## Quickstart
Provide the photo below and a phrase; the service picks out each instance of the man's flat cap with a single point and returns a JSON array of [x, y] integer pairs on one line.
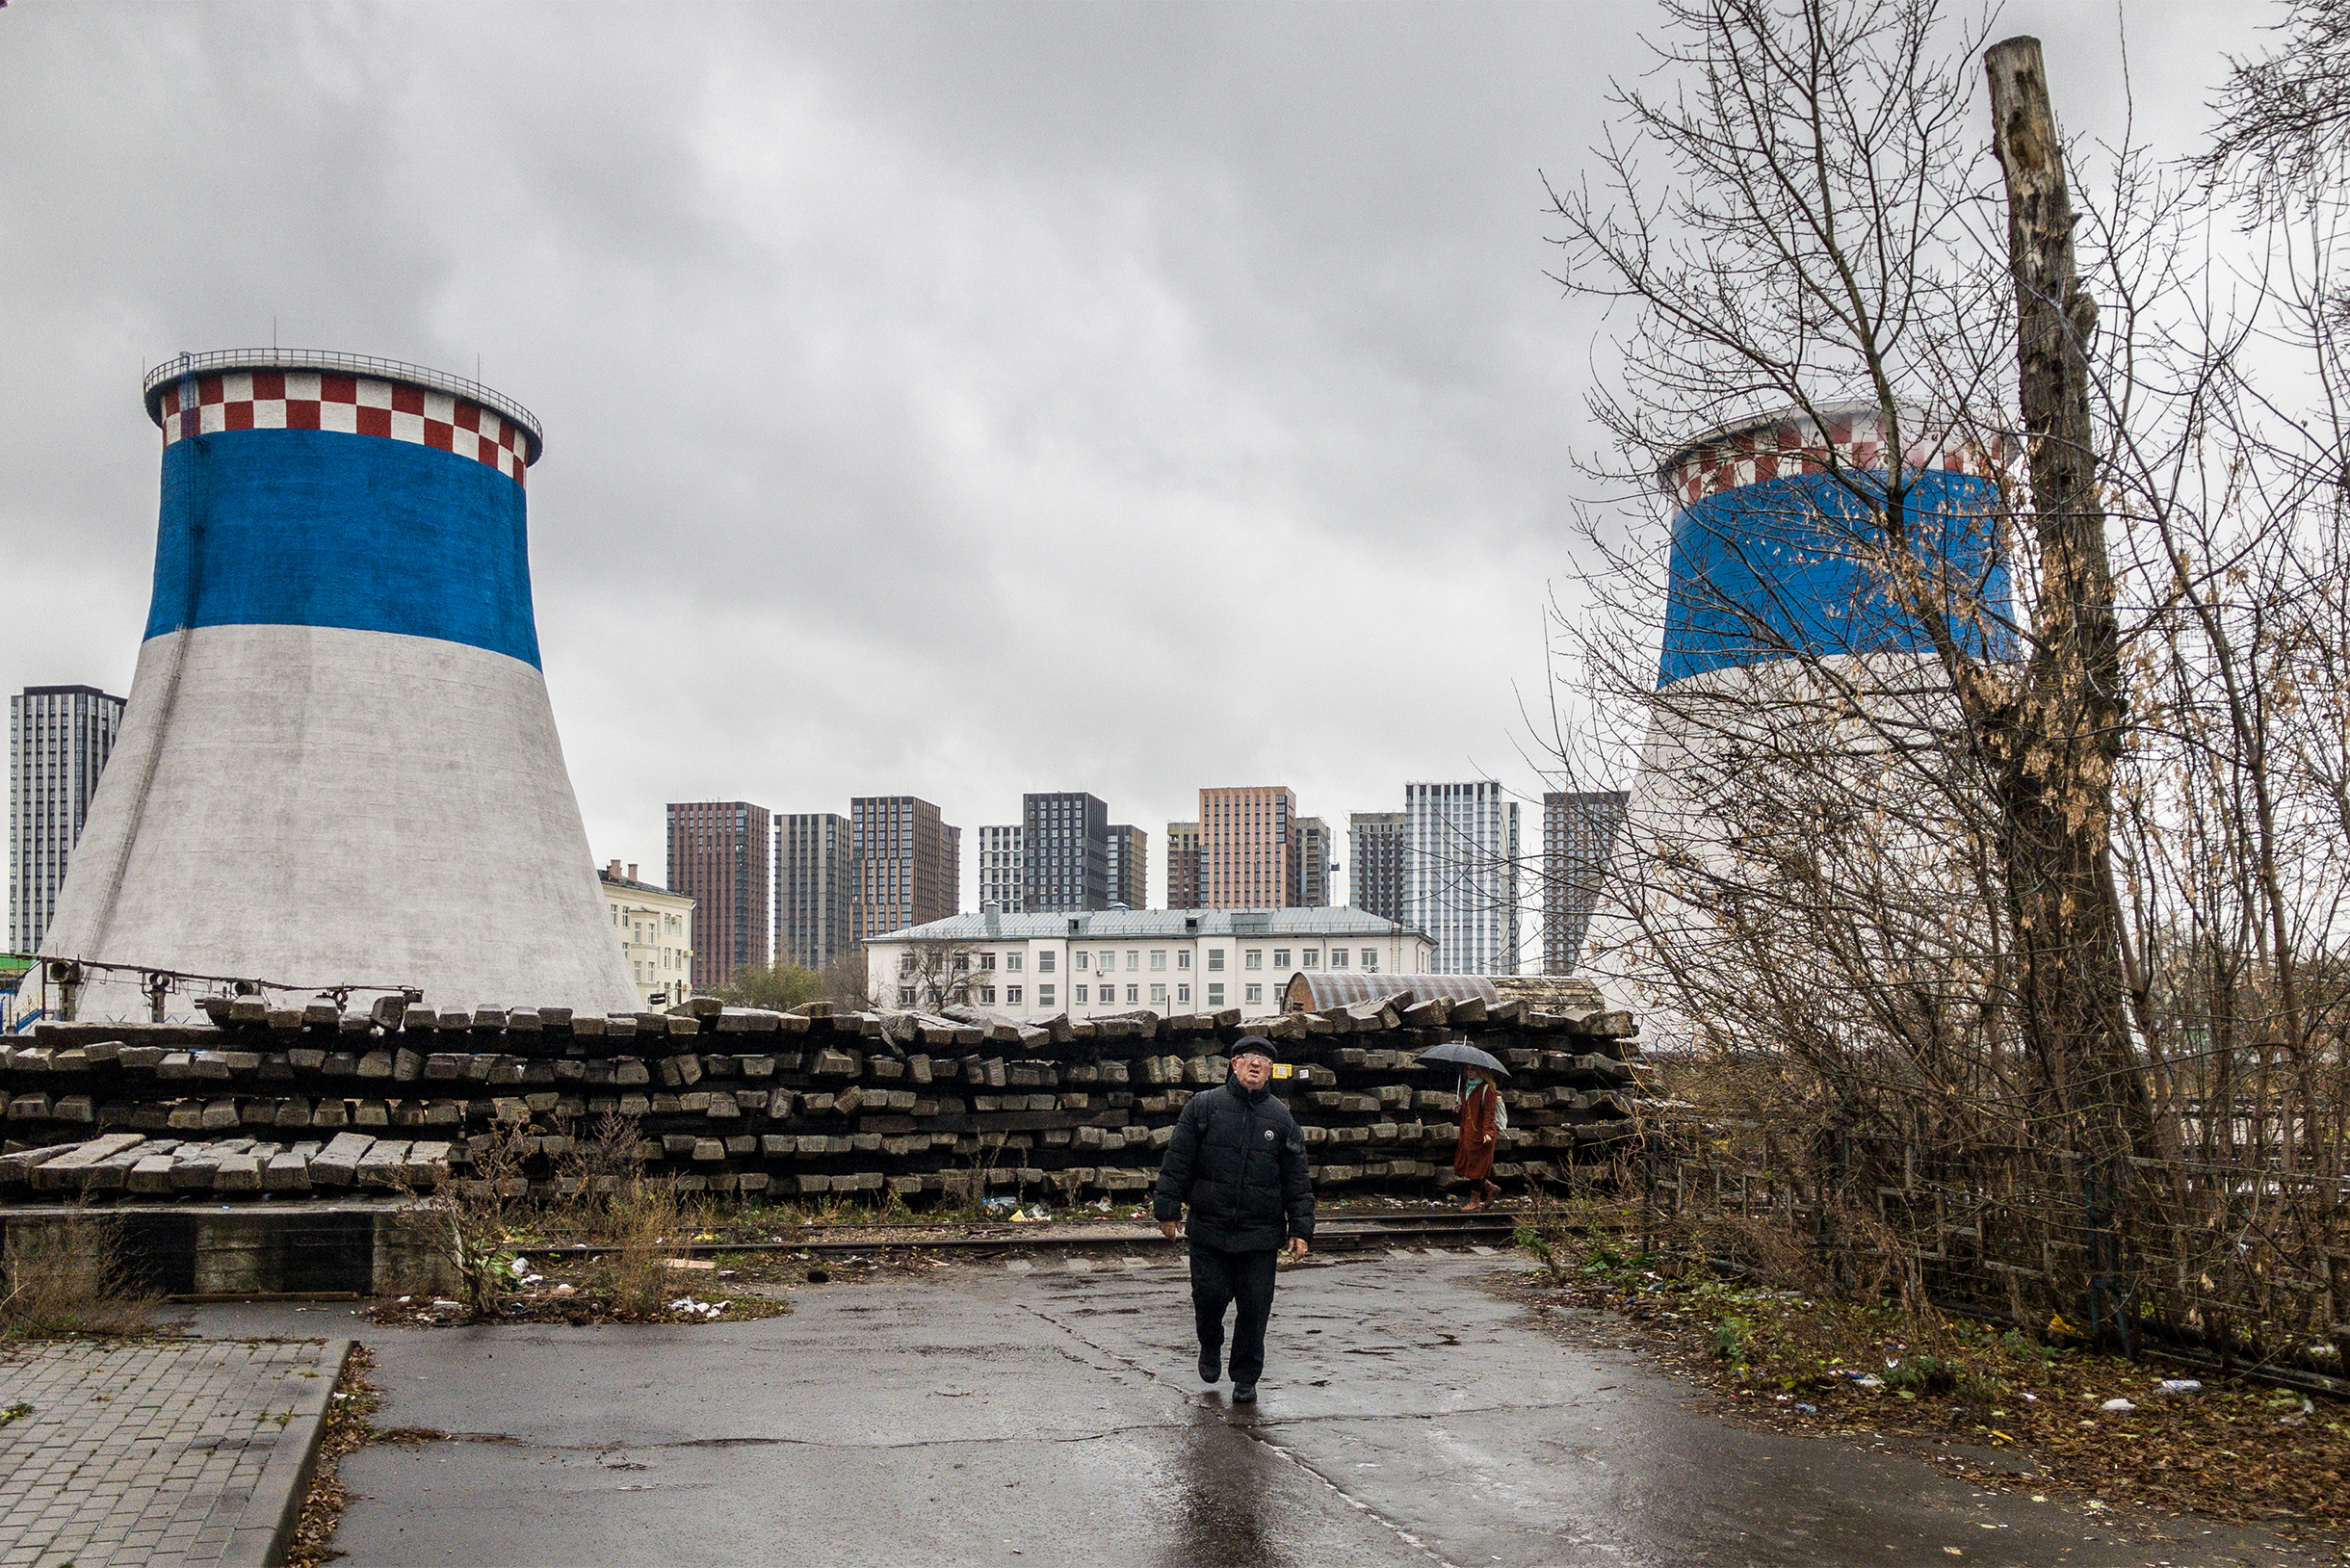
[[1256, 1045]]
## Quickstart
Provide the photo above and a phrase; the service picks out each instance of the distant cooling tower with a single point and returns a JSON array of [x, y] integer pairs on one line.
[[338, 766]]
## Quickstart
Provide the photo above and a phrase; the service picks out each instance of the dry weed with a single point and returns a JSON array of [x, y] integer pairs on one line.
[[68, 1276]]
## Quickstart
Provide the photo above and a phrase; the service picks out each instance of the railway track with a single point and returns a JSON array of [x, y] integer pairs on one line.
[[1491, 1228]]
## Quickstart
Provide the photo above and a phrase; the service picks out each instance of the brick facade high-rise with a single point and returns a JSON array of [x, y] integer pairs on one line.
[[1578, 833], [1375, 853], [59, 740], [722, 856], [1184, 875], [909, 863], [1130, 866], [816, 878], [1064, 852], [1245, 846]]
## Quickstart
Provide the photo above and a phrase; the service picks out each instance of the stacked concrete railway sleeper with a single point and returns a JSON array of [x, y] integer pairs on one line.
[[314, 1101]]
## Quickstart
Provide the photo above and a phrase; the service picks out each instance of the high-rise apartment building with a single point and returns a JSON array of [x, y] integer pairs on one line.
[[720, 856], [1184, 879], [816, 880], [1065, 852], [909, 863], [59, 740], [1374, 850], [1130, 866], [1245, 846], [1000, 855], [1460, 874], [1309, 863], [1578, 833]]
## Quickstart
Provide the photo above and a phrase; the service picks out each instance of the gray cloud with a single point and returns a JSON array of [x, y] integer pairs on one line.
[[956, 399]]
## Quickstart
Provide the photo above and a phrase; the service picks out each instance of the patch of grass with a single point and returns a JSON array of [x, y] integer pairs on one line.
[[67, 1277]]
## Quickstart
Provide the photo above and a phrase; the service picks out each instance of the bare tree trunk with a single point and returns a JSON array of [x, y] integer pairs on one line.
[[2056, 741]]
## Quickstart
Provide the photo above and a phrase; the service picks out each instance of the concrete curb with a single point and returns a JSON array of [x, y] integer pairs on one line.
[[265, 1530]]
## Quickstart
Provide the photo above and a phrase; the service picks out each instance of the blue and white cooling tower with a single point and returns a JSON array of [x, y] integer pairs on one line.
[[1780, 631], [338, 766]]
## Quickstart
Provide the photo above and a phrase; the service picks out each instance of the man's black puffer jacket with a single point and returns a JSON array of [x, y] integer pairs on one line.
[[1237, 1160]]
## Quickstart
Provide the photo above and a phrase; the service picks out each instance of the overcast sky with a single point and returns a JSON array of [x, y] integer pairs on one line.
[[951, 400]]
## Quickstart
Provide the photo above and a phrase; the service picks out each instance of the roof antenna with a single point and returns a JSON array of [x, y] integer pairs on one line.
[[272, 334]]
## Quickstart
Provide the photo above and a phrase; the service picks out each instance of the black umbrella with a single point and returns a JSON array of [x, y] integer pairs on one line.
[[1453, 1053]]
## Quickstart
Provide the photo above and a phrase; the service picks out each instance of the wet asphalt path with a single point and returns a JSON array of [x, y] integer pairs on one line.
[[991, 1416]]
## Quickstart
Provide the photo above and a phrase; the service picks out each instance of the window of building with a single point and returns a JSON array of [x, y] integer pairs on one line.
[[1253, 993], [1253, 958], [1281, 957], [1132, 995], [1013, 960], [1081, 959], [1182, 993], [987, 996], [1216, 995], [1371, 958], [987, 961], [962, 963], [1158, 957], [1044, 996], [1011, 996], [1044, 962], [1338, 958], [1108, 962], [1159, 996], [1134, 960], [1081, 996], [1183, 958], [1310, 958], [905, 963], [905, 996], [1215, 959]]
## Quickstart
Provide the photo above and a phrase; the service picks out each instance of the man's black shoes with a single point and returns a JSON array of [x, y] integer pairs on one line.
[[1245, 1394], [1210, 1366]]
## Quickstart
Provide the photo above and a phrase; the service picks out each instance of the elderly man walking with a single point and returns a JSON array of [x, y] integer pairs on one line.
[[1237, 1160]]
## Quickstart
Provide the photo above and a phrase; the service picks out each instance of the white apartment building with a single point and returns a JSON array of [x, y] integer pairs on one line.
[[655, 927], [1118, 960], [1460, 874], [1000, 850]]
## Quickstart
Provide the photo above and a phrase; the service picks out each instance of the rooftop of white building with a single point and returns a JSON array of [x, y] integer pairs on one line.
[[1143, 924]]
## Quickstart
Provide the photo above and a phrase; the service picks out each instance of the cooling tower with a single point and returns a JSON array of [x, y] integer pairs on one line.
[[338, 767], [1781, 633]]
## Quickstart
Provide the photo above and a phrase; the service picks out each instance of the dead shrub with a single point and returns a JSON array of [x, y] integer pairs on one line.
[[644, 1227], [594, 1175], [68, 1276]]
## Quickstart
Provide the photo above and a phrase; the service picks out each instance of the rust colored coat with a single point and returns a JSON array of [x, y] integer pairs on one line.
[[1473, 1159]]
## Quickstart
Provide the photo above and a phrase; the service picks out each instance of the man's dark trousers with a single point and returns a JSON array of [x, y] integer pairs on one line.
[[1220, 1278]]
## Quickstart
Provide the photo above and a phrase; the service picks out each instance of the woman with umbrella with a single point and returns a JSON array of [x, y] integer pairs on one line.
[[1483, 1116]]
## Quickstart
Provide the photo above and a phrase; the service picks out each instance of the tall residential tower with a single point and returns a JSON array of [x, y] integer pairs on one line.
[[816, 880], [1460, 874], [59, 740], [1375, 848], [1578, 831], [719, 856], [1245, 846], [909, 863]]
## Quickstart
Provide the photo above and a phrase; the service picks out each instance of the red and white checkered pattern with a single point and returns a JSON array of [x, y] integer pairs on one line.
[[1788, 447], [312, 400]]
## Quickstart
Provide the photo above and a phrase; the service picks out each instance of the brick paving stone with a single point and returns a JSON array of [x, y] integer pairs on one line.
[[141, 1454]]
